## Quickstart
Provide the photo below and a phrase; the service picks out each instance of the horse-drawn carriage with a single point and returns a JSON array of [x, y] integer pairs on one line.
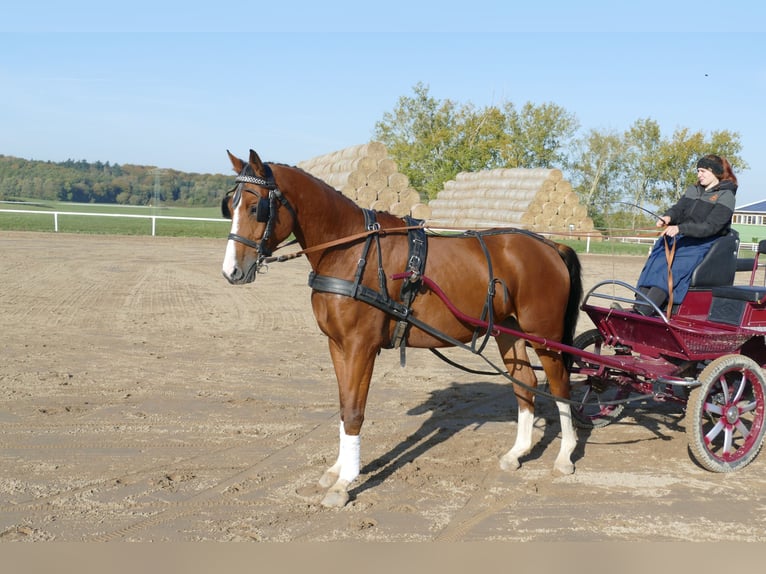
[[380, 281]]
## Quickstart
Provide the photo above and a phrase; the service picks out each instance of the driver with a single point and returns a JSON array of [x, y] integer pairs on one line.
[[701, 216]]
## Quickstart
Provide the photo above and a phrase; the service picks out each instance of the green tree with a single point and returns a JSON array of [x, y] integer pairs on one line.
[[538, 135], [597, 175], [432, 141]]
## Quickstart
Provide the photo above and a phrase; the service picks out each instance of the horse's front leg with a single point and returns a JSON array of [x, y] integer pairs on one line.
[[353, 369]]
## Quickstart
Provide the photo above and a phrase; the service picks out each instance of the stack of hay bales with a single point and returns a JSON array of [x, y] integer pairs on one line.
[[368, 176], [535, 199]]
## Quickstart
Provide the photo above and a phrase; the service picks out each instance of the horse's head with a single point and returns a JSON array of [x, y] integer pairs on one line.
[[260, 217]]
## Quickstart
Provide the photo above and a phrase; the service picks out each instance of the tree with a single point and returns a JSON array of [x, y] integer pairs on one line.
[[432, 141], [538, 136], [597, 174]]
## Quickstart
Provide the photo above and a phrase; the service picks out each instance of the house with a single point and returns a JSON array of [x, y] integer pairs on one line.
[[750, 221]]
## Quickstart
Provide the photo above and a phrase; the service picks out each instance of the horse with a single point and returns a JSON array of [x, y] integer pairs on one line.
[[510, 278]]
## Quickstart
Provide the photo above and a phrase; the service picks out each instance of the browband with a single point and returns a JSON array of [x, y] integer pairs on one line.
[[267, 183]]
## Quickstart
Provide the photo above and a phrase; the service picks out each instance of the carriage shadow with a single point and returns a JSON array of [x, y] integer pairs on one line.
[[454, 409]]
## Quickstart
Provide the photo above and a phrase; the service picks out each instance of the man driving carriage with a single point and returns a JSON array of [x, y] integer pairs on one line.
[[691, 226]]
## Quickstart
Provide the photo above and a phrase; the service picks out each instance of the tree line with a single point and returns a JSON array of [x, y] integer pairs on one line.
[[100, 182]]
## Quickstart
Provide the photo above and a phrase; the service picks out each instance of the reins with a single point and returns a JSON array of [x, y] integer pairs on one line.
[[670, 253], [340, 241]]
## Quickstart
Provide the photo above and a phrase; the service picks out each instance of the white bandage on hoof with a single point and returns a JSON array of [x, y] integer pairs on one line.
[[349, 455]]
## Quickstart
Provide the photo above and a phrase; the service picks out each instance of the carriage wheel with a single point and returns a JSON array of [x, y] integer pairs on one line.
[[726, 414], [590, 391]]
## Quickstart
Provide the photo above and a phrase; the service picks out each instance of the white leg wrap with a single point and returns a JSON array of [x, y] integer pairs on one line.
[[523, 442], [349, 455], [568, 439]]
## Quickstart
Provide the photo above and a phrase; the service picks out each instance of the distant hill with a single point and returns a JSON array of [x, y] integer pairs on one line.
[[99, 182]]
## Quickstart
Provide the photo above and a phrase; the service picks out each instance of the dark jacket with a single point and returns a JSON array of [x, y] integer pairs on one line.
[[704, 213]]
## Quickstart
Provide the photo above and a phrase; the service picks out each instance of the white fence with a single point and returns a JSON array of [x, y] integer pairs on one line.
[[153, 218], [744, 248]]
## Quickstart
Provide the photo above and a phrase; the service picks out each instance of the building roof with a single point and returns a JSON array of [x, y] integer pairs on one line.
[[755, 207]]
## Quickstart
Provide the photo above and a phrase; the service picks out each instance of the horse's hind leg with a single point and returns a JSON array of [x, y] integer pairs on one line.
[[516, 360], [515, 357], [558, 380]]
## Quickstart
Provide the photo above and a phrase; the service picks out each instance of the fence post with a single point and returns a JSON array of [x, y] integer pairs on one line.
[[154, 224], [56, 221]]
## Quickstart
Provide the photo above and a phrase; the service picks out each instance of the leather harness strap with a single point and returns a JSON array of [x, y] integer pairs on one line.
[[670, 253]]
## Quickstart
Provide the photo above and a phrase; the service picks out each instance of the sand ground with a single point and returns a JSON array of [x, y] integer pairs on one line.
[[142, 398]]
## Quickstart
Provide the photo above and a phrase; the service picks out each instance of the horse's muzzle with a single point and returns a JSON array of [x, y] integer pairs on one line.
[[238, 276]]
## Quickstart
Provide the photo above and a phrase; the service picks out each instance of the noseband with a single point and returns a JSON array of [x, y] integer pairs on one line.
[[265, 211]]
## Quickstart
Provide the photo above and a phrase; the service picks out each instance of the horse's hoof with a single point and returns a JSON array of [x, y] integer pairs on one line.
[[328, 479], [509, 463], [565, 468], [335, 499]]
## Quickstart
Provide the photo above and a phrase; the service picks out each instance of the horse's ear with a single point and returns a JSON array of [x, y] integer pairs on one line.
[[256, 164], [236, 163]]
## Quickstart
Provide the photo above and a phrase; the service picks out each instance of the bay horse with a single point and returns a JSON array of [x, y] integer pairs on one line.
[[512, 278]]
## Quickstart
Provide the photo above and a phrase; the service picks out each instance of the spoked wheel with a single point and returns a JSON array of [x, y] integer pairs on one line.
[[590, 391], [726, 414]]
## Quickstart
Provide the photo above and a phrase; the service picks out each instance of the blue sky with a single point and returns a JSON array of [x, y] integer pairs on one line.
[[174, 85]]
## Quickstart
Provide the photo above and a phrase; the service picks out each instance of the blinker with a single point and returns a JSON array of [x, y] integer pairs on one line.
[[263, 210]]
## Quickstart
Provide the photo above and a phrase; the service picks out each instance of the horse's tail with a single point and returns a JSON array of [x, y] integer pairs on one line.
[[575, 296]]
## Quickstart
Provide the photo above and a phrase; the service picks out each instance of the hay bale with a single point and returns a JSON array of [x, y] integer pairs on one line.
[[366, 196], [363, 173], [420, 211], [534, 198], [398, 181]]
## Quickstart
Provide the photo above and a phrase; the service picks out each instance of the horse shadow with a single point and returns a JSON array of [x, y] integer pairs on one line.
[[472, 404], [453, 409]]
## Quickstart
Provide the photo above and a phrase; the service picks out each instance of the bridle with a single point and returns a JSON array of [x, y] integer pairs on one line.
[[265, 210]]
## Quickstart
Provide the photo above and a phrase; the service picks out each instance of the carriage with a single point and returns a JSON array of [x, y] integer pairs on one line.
[[381, 282], [707, 354]]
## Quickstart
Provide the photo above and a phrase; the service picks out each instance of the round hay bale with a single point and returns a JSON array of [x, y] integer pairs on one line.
[[377, 180], [563, 187], [409, 196], [420, 211], [357, 179], [366, 196], [550, 210], [398, 181], [388, 196], [580, 211], [386, 166], [570, 198], [380, 205], [399, 209]]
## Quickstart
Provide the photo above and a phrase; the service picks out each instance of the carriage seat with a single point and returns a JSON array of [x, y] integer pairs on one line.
[[719, 266]]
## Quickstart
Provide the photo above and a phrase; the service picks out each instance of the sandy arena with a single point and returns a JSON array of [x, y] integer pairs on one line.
[[142, 398]]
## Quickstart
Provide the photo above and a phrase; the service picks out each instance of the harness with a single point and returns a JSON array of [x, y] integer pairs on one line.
[[416, 262]]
